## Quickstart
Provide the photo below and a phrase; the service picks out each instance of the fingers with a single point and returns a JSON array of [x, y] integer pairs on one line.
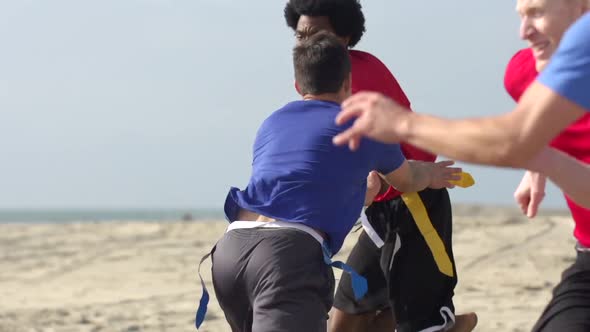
[[522, 199], [532, 210], [354, 143], [445, 163], [449, 185], [524, 205], [522, 194], [358, 97], [350, 136], [536, 192], [455, 177], [373, 187], [354, 110], [533, 206], [452, 173], [454, 170], [348, 113], [354, 107], [444, 176]]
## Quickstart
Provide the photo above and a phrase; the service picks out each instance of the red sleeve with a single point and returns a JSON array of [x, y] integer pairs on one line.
[[389, 86], [520, 73], [413, 153]]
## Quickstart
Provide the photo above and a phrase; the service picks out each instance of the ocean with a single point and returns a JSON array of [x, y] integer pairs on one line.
[[99, 215]]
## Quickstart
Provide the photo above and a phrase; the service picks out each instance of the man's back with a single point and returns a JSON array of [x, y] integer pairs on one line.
[[298, 175]]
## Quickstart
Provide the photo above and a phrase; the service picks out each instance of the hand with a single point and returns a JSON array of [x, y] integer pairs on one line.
[[376, 117], [441, 174], [373, 187], [530, 193]]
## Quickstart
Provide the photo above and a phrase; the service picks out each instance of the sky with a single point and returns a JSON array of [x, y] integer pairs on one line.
[[155, 103]]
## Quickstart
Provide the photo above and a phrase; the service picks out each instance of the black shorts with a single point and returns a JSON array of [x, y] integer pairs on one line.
[[403, 273], [365, 259], [569, 308], [272, 279]]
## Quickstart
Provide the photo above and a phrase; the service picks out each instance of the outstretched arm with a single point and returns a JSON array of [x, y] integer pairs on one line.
[[414, 176], [510, 140], [557, 98]]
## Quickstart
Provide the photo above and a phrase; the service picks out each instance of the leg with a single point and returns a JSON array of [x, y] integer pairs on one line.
[[354, 315], [290, 285], [383, 321], [464, 323], [230, 287], [421, 290], [569, 308], [341, 321]]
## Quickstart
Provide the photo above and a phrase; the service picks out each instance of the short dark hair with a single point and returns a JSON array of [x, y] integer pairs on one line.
[[321, 64], [346, 16]]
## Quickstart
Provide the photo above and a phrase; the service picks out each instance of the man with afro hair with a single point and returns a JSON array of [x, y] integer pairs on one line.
[[391, 231]]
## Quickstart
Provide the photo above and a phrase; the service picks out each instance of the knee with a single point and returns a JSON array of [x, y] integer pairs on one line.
[[341, 321]]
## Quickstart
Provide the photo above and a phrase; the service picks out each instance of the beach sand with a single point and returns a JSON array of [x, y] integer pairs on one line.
[[122, 276]]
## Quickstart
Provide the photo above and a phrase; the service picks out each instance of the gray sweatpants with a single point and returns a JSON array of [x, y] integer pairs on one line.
[[272, 280]]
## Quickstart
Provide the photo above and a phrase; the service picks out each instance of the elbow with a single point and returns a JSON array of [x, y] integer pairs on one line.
[[514, 153], [509, 156]]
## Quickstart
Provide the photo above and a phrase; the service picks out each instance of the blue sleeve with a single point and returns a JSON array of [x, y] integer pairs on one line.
[[388, 157], [568, 72]]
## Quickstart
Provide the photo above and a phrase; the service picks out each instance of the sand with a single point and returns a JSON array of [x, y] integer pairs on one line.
[[123, 276]]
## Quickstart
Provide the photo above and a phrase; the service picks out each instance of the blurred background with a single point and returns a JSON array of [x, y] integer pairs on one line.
[[148, 108]]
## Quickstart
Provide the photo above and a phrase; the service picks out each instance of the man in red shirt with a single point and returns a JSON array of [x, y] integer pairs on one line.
[[420, 292], [575, 141]]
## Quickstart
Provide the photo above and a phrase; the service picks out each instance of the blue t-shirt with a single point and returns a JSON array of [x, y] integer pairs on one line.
[[568, 72], [299, 175]]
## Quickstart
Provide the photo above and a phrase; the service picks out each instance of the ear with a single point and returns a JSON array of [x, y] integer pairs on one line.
[[297, 88], [348, 84], [346, 41]]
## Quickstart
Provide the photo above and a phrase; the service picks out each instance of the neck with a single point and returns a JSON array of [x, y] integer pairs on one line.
[[333, 97]]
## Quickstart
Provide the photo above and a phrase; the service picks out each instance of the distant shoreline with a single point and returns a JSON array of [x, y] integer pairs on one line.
[[80, 215]]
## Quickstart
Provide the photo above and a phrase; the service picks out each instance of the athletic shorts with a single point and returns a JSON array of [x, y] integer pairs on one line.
[[403, 274], [272, 279], [569, 308]]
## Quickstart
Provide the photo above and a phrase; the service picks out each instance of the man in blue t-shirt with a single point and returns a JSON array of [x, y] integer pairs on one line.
[[270, 270], [559, 96]]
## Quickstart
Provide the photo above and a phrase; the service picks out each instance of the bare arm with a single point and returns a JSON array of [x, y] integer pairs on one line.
[[569, 174], [413, 176], [511, 139]]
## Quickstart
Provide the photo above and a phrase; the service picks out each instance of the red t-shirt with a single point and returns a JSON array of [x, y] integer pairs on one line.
[[370, 74], [574, 140]]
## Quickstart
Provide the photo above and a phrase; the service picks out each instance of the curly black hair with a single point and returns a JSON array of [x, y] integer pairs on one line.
[[346, 16]]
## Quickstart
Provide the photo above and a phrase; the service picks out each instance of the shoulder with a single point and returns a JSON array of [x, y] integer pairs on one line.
[[520, 73], [580, 30], [575, 44], [366, 58], [370, 74], [281, 112], [522, 58], [568, 72]]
